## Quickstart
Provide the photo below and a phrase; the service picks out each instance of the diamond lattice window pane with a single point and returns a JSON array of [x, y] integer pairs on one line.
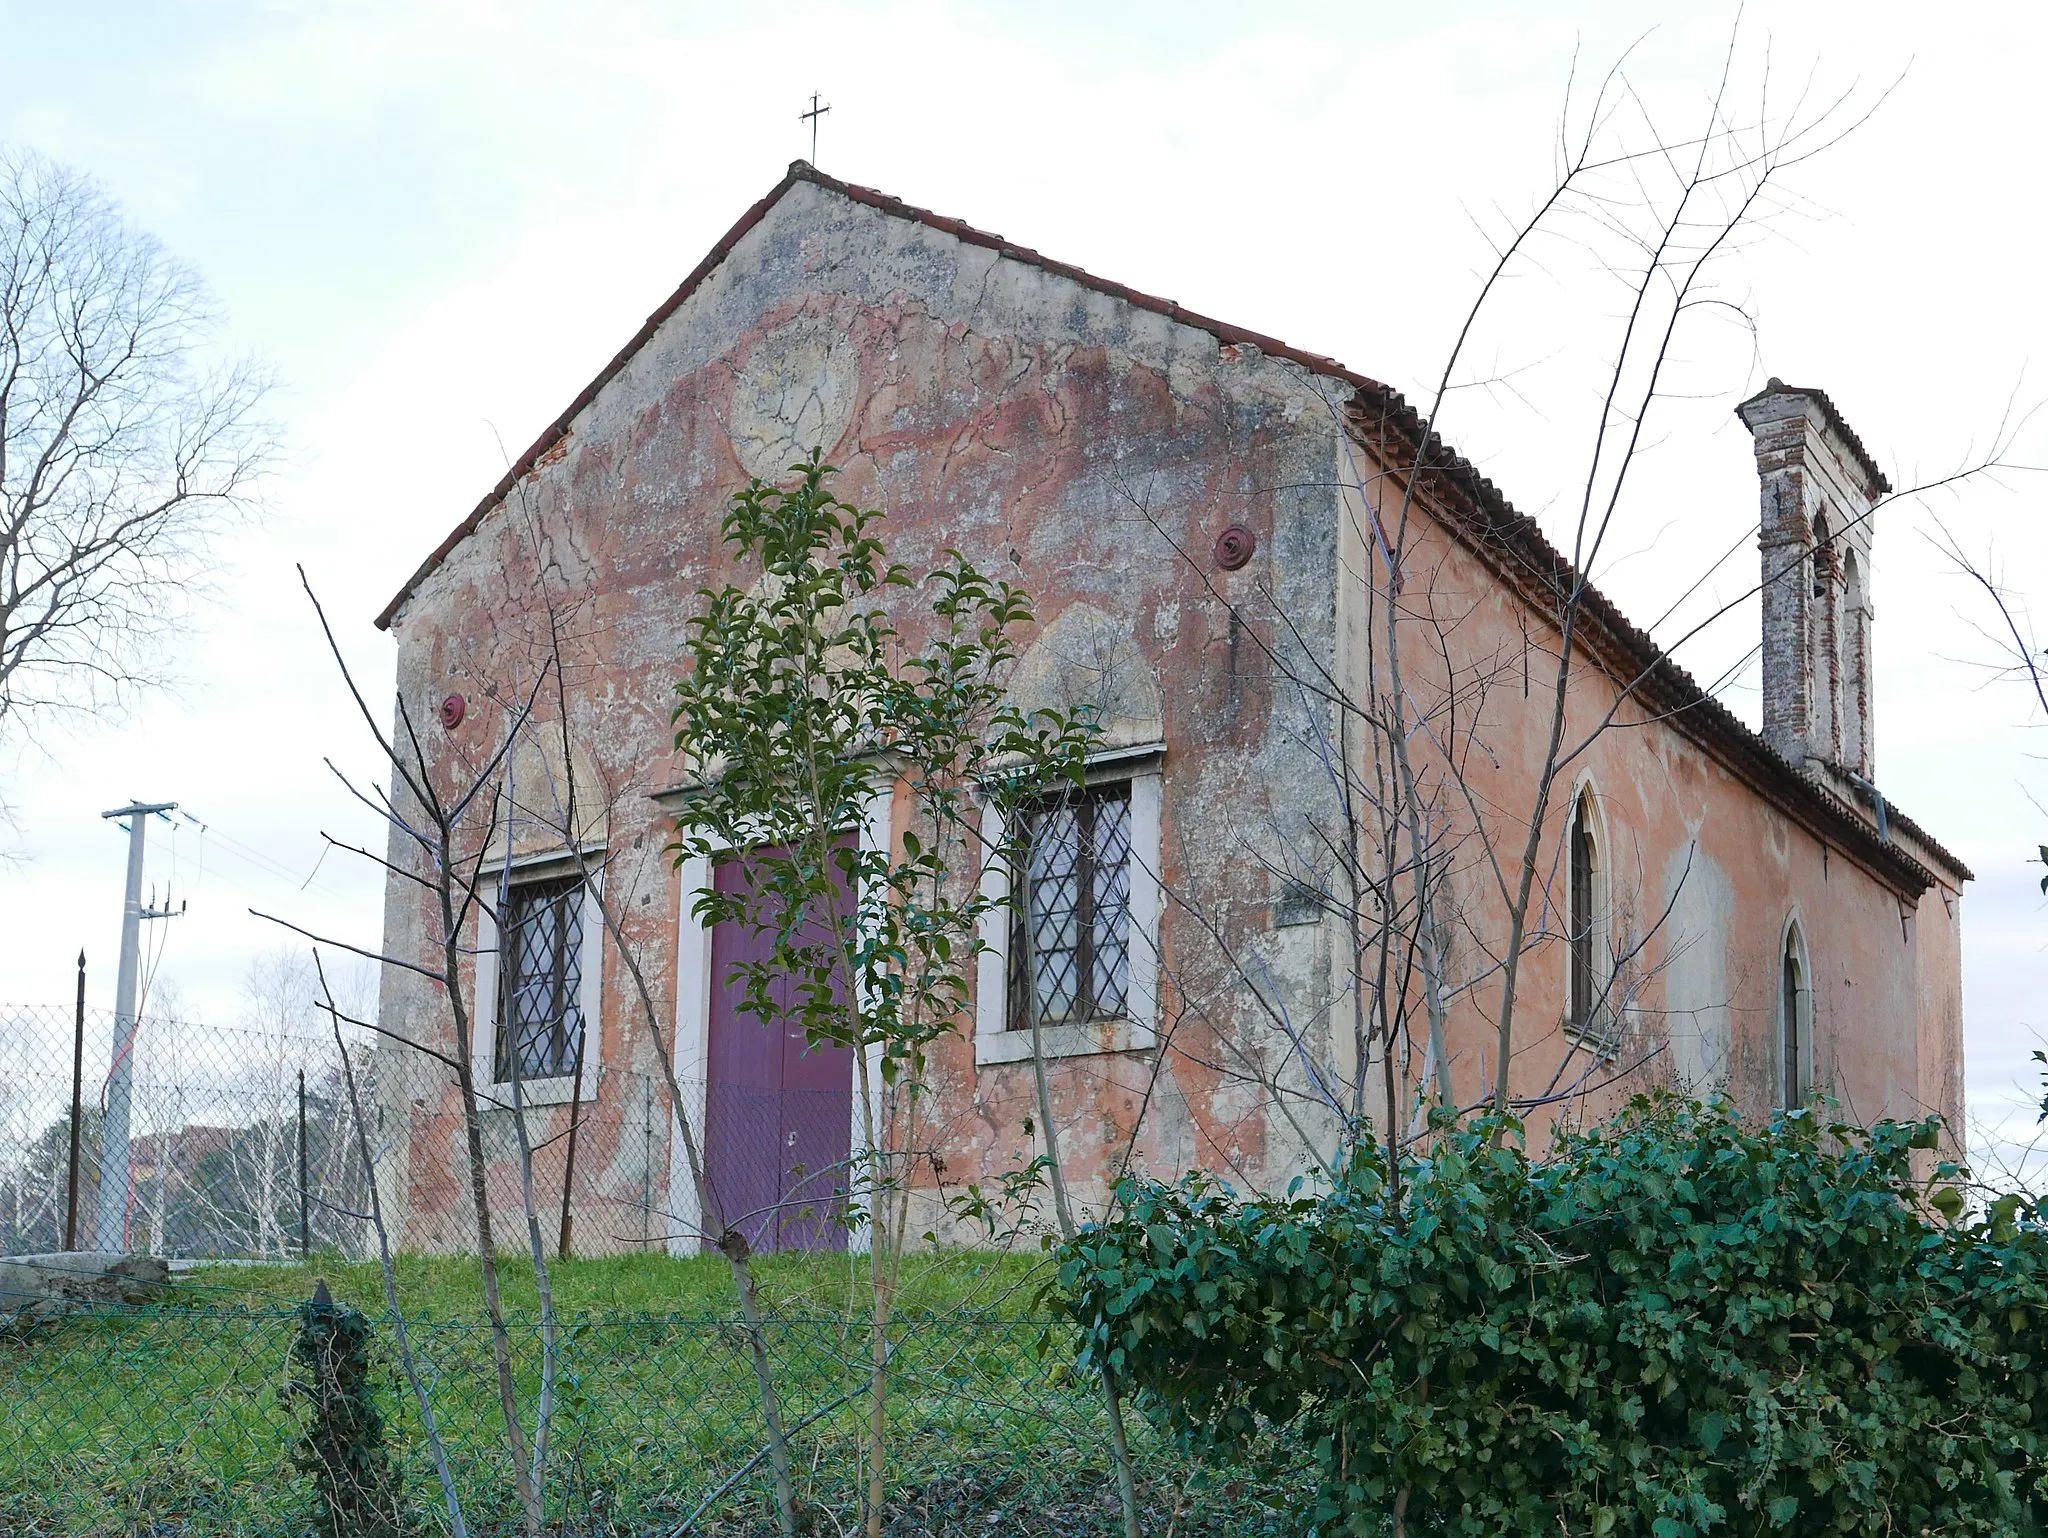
[[1112, 877], [1049, 931], [541, 953], [1072, 919]]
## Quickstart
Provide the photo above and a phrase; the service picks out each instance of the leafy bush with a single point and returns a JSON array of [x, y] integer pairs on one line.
[[1672, 1325]]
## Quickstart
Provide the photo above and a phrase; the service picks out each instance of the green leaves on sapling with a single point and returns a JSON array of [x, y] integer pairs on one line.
[[802, 705]]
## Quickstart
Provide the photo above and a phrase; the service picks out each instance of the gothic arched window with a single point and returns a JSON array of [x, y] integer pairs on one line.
[[1855, 667], [1584, 859], [1795, 1023]]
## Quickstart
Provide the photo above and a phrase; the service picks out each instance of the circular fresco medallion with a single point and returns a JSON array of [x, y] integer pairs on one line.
[[795, 392]]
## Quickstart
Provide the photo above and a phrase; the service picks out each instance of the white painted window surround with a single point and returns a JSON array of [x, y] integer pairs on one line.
[[1138, 1029], [693, 1033], [551, 1091]]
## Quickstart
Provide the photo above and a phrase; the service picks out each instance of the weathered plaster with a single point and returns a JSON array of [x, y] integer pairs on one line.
[[1092, 448]]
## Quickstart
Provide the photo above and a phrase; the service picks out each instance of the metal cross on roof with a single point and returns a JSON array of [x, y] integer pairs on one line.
[[813, 115]]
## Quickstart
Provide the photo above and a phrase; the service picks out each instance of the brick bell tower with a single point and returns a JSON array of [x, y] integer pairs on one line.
[[1818, 489]]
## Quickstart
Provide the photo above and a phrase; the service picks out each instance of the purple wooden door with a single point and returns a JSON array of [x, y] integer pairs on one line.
[[778, 1115]]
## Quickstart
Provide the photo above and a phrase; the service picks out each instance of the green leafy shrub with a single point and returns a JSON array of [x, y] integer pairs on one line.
[[1672, 1325]]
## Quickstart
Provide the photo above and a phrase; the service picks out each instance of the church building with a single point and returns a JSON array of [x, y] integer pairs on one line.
[[1313, 638]]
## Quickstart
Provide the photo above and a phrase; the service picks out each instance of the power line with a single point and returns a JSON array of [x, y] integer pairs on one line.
[[267, 864]]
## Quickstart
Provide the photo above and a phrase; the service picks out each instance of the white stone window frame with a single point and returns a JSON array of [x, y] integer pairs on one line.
[[693, 1034], [557, 1089], [1142, 768]]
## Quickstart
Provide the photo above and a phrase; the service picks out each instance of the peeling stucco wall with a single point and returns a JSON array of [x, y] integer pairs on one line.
[[1088, 449], [1093, 450], [1701, 876]]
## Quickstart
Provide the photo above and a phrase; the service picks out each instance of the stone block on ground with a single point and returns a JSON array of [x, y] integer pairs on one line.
[[38, 1287]]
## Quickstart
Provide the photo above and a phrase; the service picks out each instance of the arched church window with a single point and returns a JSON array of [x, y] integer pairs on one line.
[[1856, 667], [1584, 916], [1795, 1023]]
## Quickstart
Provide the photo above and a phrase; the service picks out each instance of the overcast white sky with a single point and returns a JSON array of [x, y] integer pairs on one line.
[[436, 221]]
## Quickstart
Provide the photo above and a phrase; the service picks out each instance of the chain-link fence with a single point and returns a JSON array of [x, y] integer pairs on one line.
[[176, 1421], [243, 1143], [190, 1139]]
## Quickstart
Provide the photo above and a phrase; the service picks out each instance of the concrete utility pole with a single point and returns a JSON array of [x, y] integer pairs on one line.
[[115, 1177]]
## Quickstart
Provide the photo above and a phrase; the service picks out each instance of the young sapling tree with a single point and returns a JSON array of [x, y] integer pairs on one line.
[[844, 762]]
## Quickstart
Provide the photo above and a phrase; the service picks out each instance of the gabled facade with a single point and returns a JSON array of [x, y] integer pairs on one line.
[[1190, 505]]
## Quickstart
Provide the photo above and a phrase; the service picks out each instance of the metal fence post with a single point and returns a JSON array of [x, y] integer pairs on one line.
[[305, 1230], [646, 1160], [77, 1110]]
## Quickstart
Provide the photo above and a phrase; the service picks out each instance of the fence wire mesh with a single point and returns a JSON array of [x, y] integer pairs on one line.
[[213, 1123], [216, 1122], [186, 1421]]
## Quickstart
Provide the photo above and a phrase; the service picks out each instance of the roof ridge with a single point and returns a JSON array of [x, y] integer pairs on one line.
[[1730, 738], [888, 203]]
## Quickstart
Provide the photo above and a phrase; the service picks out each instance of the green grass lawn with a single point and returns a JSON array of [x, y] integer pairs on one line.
[[450, 1287], [180, 1418]]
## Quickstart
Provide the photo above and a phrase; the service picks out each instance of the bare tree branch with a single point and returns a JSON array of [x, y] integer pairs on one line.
[[121, 452]]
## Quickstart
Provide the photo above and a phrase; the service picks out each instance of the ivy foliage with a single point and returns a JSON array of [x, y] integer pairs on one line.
[[343, 1445], [1673, 1324]]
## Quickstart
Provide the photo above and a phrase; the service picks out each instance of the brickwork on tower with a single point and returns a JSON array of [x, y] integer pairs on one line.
[[1818, 490]]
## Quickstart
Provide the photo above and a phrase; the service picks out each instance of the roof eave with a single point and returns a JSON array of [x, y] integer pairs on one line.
[[1517, 549]]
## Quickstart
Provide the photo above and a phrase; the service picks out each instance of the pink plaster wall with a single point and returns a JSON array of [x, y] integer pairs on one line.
[[1095, 450], [1680, 829]]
